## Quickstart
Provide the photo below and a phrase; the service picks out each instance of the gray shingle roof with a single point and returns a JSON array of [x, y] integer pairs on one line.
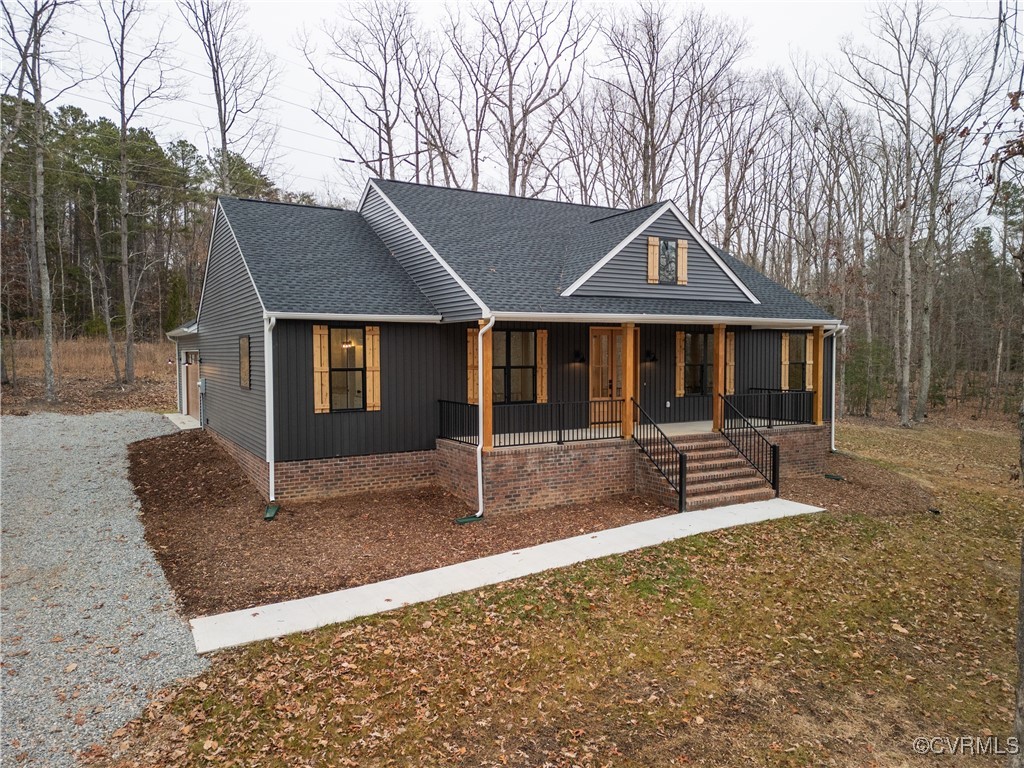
[[519, 254], [320, 260]]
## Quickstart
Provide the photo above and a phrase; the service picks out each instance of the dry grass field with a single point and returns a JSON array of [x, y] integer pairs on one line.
[[85, 380]]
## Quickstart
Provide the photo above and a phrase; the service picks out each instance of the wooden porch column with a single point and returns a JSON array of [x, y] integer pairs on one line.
[[818, 343], [718, 388], [486, 376], [628, 364]]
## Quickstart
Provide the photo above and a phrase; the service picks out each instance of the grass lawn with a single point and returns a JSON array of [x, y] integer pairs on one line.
[[832, 639]]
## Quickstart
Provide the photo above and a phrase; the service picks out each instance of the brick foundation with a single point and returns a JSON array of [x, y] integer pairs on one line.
[[802, 449], [316, 478], [516, 479], [254, 467]]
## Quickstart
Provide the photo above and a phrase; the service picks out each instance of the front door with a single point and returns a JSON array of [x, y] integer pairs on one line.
[[606, 374], [192, 384]]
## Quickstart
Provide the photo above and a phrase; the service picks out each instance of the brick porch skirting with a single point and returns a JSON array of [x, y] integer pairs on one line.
[[515, 479]]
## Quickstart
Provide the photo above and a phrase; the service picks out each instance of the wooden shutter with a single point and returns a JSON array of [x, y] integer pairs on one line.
[[472, 365], [652, 260], [681, 246], [372, 360], [785, 360], [542, 366], [321, 370], [730, 363], [810, 361], [680, 363]]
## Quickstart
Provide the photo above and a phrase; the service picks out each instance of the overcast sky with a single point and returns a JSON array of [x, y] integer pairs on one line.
[[306, 153]]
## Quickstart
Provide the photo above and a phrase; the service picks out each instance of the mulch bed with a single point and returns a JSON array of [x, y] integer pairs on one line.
[[204, 521]]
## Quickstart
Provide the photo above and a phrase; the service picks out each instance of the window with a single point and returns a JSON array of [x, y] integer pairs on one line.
[[348, 369], [667, 262], [699, 368], [515, 367], [244, 377], [797, 360]]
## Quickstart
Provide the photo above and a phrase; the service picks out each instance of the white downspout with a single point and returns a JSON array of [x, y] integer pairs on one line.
[[480, 417], [835, 353], [268, 386]]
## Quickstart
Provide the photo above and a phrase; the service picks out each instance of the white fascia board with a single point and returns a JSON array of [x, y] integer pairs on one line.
[[362, 197], [669, 206], [344, 317], [756, 322], [206, 270], [444, 264]]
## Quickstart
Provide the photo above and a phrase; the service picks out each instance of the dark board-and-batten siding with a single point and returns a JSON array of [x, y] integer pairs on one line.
[[420, 363], [443, 291], [626, 273], [231, 308]]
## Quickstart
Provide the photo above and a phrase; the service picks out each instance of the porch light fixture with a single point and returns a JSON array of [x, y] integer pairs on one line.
[[577, 357], [650, 357]]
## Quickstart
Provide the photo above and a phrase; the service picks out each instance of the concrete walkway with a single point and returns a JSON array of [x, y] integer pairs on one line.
[[212, 633], [182, 421]]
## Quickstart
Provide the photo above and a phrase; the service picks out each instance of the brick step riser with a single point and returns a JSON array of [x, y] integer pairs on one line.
[[707, 502], [714, 488], [724, 476]]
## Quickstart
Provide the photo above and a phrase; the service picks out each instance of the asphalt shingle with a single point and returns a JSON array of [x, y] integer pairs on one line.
[[320, 260]]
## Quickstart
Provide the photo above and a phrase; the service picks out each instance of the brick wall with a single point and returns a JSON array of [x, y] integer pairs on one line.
[[518, 479], [802, 449], [651, 483], [455, 465], [317, 478], [255, 467]]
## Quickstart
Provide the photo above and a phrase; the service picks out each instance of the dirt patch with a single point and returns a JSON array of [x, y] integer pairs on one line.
[[84, 395], [204, 520], [862, 487]]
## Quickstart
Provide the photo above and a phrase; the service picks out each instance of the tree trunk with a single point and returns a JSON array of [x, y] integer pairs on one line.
[[101, 270], [903, 400], [40, 250], [126, 282]]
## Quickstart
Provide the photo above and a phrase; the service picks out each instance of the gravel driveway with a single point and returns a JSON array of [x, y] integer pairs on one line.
[[88, 620]]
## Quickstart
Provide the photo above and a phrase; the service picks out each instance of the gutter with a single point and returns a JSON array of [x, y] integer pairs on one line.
[[269, 321], [606, 317]]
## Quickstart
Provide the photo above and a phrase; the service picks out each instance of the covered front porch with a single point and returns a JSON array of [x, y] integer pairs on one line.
[[555, 383]]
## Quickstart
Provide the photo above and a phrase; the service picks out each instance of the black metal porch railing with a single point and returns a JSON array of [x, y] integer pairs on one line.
[[458, 421], [748, 440], [765, 407], [663, 453], [518, 424]]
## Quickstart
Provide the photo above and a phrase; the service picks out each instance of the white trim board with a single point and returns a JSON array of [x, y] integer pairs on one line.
[[670, 206], [611, 317], [226, 630]]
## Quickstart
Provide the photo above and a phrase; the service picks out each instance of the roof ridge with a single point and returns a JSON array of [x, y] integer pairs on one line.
[[497, 194], [629, 210], [286, 202]]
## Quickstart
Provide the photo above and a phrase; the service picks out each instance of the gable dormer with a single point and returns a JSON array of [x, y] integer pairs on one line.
[[664, 257]]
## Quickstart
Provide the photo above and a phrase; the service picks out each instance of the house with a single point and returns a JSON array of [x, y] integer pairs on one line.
[[555, 352]]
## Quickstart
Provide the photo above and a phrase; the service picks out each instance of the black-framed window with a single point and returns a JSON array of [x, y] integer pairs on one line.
[[797, 360], [244, 365], [514, 378], [699, 371], [347, 355], [668, 261]]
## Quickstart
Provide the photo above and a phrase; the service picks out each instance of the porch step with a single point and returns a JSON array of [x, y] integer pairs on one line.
[[725, 475], [730, 485], [729, 497]]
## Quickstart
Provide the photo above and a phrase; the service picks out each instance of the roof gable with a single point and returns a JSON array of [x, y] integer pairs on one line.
[[622, 271]]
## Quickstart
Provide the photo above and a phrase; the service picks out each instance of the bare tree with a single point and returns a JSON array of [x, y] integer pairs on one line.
[[364, 91], [888, 86], [29, 28], [534, 49], [242, 74], [130, 94]]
